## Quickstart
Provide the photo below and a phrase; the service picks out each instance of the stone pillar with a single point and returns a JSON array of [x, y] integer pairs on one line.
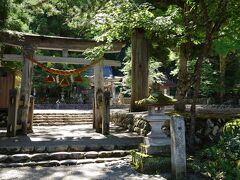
[[178, 147], [26, 85]]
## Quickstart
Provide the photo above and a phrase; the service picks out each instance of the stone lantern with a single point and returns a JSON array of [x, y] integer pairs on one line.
[[154, 154], [156, 142]]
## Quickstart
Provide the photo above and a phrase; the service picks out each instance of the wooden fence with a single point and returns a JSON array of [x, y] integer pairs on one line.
[[7, 82]]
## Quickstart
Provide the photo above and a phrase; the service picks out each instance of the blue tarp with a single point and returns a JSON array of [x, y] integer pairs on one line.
[[107, 72]]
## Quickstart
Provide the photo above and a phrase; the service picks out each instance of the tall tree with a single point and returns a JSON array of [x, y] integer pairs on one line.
[[4, 10]]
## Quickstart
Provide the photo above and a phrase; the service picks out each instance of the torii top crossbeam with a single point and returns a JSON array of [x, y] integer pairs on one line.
[[53, 42]]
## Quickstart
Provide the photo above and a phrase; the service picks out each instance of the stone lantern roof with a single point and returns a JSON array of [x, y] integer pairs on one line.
[[157, 99]]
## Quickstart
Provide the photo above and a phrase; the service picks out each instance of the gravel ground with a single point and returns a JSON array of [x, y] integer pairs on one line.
[[118, 170]]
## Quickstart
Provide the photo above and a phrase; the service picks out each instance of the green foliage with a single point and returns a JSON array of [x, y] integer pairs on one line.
[[167, 25], [220, 161], [232, 127], [4, 10], [115, 20], [19, 17], [155, 76]]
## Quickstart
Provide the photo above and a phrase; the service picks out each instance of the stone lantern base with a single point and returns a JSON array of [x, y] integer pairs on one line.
[[154, 155], [163, 149], [151, 164]]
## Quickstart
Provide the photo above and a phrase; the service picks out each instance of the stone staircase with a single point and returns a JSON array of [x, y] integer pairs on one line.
[[53, 157], [59, 119], [52, 144]]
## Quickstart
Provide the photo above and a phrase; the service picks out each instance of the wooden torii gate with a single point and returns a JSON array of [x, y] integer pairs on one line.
[[31, 42]]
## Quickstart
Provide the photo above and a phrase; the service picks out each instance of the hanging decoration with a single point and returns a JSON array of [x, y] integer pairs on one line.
[[50, 79], [57, 79], [78, 79], [66, 73], [71, 79], [64, 82]]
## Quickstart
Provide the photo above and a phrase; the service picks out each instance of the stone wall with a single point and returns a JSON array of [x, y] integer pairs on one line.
[[134, 122], [208, 130]]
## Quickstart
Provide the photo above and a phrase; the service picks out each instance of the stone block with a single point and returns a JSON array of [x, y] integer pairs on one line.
[[48, 163], [14, 165], [118, 153], [85, 161], [105, 154], [27, 149], [76, 155], [40, 157], [94, 147], [10, 150], [77, 147], [163, 150], [100, 161], [91, 154], [3, 157], [59, 148], [69, 162], [39, 149], [150, 164], [59, 155], [31, 164], [19, 157], [108, 147]]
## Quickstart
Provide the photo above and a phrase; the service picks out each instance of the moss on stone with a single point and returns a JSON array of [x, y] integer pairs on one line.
[[157, 99], [150, 164]]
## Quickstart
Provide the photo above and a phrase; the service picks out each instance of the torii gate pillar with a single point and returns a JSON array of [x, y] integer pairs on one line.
[[26, 85], [98, 97]]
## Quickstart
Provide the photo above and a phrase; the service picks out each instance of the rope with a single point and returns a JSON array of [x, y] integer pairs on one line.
[[64, 72]]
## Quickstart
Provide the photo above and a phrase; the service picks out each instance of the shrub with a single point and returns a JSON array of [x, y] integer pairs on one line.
[[232, 127], [222, 160]]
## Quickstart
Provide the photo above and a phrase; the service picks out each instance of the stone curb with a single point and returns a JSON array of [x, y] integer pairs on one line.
[[25, 158], [50, 163], [62, 148]]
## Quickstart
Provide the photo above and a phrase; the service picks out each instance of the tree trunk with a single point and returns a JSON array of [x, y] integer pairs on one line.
[[139, 69], [197, 84], [222, 68], [182, 84]]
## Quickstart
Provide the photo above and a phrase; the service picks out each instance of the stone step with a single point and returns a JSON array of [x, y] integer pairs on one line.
[[62, 114], [59, 123], [49, 163], [49, 116], [62, 120], [83, 146], [23, 158], [54, 117]]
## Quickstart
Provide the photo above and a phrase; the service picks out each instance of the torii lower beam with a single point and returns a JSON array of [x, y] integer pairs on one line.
[[67, 60]]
